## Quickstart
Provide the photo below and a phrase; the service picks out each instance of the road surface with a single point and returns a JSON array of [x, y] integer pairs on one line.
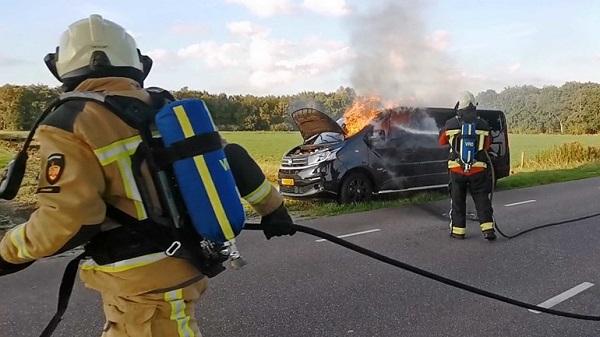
[[299, 286]]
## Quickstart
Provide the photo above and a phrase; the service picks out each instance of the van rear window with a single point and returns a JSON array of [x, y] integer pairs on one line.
[[494, 119]]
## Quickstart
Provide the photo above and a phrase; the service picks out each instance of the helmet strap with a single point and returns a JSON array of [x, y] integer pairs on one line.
[[146, 64], [50, 61]]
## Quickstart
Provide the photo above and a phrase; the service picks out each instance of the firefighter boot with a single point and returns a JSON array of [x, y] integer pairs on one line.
[[489, 235], [458, 232]]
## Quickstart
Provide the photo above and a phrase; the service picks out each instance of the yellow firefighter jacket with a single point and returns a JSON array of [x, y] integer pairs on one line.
[[85, 151]]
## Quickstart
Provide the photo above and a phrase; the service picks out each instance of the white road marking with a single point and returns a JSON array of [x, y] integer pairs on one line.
[[353, 234], [520, 203], [564, 296]]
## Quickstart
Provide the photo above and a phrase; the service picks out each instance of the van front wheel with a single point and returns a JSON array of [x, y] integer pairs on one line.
[[356, 187]]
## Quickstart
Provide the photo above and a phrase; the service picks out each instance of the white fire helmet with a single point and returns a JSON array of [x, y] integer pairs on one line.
[[465, 101], [96, 47]]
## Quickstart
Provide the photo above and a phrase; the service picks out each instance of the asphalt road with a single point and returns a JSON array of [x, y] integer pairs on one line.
[[299, 287]]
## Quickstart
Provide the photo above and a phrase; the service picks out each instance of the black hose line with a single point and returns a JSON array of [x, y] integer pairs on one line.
[[427, 274], [512, 236], [545, 225]]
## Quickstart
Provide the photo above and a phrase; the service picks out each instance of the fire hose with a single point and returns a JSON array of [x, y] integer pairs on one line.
[[71, 271], [70, 274], [552, 224], [432, 276]]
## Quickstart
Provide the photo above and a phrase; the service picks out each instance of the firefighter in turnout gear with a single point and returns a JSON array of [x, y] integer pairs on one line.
[[469, 138], [86, 172]]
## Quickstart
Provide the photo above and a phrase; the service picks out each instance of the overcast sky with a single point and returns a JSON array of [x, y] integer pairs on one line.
[[287, 46]]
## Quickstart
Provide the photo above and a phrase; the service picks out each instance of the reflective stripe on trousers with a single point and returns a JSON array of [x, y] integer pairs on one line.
[[160, 314], [486, 226], [459, 230], [178, 313]]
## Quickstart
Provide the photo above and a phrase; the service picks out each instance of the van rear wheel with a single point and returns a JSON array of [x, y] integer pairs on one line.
[[356, 187]]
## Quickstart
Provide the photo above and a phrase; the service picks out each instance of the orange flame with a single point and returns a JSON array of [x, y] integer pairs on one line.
[[360, 114]]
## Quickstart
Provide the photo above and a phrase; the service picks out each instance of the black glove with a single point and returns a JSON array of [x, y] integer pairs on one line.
[[277, 223]]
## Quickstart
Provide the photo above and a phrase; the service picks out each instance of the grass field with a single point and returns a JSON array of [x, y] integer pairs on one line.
[[533, 144], [268, 148]]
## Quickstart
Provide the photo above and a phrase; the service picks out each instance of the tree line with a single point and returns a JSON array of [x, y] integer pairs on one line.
[[21, 105], [571, 108]]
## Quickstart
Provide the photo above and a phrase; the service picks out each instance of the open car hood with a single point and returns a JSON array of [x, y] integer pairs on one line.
[[312, 122]]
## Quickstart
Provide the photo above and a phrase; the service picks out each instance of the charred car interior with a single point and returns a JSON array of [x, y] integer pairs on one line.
[[395, 151]]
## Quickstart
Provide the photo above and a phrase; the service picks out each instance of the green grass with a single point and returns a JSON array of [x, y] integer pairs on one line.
[[535, 178], [534, 144], [268, 148], [564, 156], [318, 208], [5, 157]]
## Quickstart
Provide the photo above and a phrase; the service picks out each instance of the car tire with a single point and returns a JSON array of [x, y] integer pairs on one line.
[[356, 187]]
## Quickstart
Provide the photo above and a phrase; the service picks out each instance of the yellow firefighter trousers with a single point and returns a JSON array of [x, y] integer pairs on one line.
[[166, 314]]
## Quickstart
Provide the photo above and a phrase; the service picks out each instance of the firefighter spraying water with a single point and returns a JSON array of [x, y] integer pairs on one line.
[[469, 139]]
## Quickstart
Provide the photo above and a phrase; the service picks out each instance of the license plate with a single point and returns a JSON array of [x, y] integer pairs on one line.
[[287, 182]]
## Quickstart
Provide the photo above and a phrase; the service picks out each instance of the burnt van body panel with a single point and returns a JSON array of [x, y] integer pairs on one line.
[[397, 151]]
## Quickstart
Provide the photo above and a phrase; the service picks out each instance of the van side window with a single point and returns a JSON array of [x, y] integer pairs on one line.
[[380, 129], [399, 120]]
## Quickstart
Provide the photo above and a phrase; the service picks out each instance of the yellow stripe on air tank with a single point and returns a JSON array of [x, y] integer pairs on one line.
[[213, 196], [184, 121], [205, 175]]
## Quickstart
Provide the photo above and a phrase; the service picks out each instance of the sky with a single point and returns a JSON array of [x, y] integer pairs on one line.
[[277, 47]]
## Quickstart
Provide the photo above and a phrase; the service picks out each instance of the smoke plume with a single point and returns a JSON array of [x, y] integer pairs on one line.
[[398, 60]]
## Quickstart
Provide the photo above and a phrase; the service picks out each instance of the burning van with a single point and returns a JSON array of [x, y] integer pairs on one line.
[[393, 150]]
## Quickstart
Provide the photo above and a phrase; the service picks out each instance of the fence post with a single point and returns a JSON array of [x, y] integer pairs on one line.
[[522, 159]]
